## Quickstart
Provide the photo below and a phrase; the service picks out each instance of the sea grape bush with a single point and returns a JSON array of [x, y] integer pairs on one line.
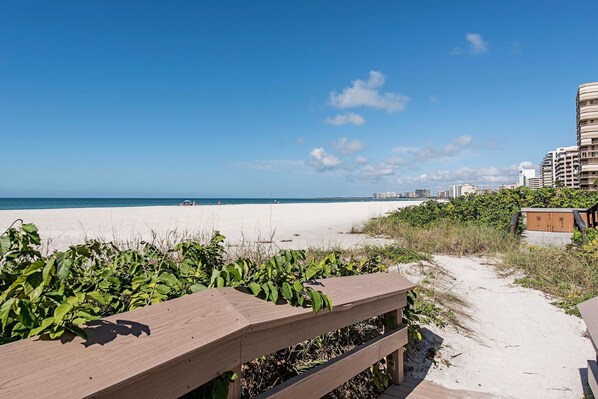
[[493, 209]]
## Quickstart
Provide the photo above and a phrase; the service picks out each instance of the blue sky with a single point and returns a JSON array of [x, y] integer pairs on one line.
[[251, 99]]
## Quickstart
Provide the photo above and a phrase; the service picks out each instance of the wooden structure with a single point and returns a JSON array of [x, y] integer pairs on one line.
[[589, 313], [559, 220], [168, 349], [586, 218], [421, 389]]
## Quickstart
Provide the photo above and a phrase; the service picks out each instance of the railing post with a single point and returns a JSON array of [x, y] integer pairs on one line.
[[397, 371], [234, 388]]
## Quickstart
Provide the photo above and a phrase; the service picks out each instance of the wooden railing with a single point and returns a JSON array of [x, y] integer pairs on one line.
[[589, 313], [592, 216], [590, 220], [168, 349], [580, 224], [515, 224]]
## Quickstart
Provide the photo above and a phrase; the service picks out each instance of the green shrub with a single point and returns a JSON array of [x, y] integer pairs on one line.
[[494, 209]]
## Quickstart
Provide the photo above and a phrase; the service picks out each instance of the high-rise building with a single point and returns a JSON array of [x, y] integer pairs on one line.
[[587, 135], [566, 165], [462, 189], [547, 169], [534, 183], [422, 193], [524, 175]]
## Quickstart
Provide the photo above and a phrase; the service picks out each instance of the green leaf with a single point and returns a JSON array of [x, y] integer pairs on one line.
[[61, 311], [298, 287], [29, 228], [255, 288], [48, 269], [273, 292], [316, 300], [64, 268], [198, 287], [168, 279], [44, 324], [4, 245], [287, 291], [96, 296], [5, 311]]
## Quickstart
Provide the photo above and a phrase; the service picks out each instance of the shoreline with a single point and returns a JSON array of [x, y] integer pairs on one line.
[[12, 203]]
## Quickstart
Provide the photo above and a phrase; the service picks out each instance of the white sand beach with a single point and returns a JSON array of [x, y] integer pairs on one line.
[[286, 225]]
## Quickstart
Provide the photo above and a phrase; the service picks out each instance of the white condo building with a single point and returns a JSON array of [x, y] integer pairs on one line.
[[525, 175], [587, 134], [566, 165]]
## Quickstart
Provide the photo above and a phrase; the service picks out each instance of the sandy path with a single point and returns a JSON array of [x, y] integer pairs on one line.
[[523, 346], [288, 225]]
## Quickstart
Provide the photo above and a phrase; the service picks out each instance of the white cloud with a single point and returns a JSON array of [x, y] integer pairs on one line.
[[375, 172], [526, 165], [458, 145], [366, 94], [476, 45], [490, 175], [348, 146], [463, 140], [401, 149], [344, 119], [361, 160], [394, 161], [323, 161]]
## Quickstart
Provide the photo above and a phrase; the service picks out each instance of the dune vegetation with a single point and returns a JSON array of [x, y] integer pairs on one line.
[[480, 225]]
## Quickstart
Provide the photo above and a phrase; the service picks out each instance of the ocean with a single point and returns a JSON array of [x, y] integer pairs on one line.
[[59, 203]]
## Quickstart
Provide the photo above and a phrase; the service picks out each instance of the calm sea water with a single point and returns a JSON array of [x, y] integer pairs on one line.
[[59, 203]]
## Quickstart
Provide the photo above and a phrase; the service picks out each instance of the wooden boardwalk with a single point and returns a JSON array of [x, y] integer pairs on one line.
[[413, 388]]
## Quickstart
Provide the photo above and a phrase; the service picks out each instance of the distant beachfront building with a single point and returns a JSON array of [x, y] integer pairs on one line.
[[481, 191], [587, 134], [508, 186], [410, 194], [547, 169], [422, 193], [386, 195], [534, 183], [442, 195], [566, 167], [462, 189], [524, 175]]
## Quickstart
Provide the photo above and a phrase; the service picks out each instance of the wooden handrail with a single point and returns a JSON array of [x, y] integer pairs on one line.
[[580, 224], [168, 349], [589, 313], [515, 223]]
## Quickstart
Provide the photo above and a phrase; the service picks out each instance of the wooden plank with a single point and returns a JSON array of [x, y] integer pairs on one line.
[[362, 289], [320, 380], [397, 371], [561, 222], [234, 389], [123, 349], [589, 313], [176, 379], [422, 389], [264, 341], [538, 221], [168, 349], [593, 377]]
